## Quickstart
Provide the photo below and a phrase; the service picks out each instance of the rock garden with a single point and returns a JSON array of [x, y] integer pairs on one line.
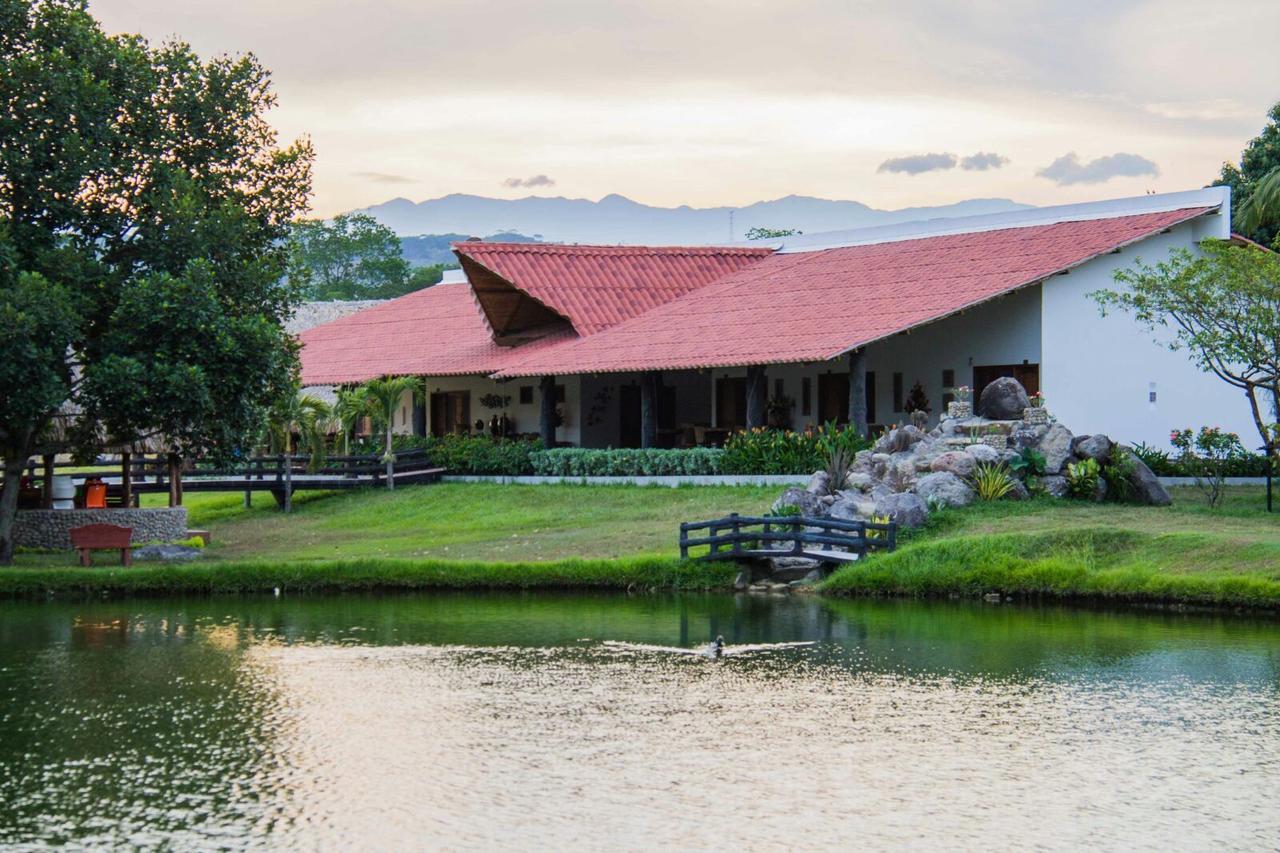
[[1011, 449]]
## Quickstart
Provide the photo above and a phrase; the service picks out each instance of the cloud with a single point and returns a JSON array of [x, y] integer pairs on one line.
[[384, 177], [916, 164], [982, 161], [535, 181], [1068, 169]]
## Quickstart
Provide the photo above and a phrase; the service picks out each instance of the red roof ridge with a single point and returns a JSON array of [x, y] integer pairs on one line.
[[593, 248]]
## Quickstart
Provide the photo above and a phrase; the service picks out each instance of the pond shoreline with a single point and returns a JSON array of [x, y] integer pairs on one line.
[[992, 568]]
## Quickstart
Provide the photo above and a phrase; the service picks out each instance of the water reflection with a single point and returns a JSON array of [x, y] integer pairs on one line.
[[542, 721]]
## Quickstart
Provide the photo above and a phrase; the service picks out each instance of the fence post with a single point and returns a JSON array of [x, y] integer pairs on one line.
[[248, 478], [684, 540], [736, 526], [288, 484], [893, 535]]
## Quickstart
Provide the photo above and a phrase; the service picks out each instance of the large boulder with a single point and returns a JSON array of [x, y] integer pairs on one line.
[[1097, 447], [956, 462], [1003, 400], [807, 502], [904, 509], [858, 480], [1056, 447], [1146, 487], [944, 488], [849, 508], [819, 483], [983, 453], [1027, 435], [898, 440], [1055, 486]]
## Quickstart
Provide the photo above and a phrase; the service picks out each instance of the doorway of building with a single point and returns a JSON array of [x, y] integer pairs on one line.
[[833, 397], [629, 415], [450, 413]]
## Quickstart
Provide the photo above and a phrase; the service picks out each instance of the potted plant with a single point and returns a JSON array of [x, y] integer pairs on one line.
[[996, 438], [1035, 414], [962, 406]]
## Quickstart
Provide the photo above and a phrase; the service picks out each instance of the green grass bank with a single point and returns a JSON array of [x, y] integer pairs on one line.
[[366, 574]]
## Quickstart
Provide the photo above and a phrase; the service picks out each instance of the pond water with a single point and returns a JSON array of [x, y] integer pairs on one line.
[[507, 720]]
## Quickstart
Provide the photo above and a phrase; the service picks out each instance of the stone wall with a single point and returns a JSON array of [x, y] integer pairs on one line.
[[49, 528]]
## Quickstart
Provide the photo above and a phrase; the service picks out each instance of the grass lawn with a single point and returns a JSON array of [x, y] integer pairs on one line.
[[478, 533], [466, 521], [1187, 552]]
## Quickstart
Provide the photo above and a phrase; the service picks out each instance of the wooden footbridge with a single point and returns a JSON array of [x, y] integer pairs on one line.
[[739, 537]]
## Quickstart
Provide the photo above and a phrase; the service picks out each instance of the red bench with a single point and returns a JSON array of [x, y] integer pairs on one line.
[[102, 536]]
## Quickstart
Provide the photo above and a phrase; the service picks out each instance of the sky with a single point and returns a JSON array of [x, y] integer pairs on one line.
[[727, 102]]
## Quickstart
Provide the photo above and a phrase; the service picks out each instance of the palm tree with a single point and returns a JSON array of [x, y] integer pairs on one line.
[[351, 406], [307, 415], [384, 396], [1263, 207]]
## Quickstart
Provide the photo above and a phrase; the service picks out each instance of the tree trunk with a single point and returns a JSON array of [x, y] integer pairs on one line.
[[175, 488], [757, 395], [13, 465], [389, 457], [46, 499], [547, 414], [858, 391], [649, 384]]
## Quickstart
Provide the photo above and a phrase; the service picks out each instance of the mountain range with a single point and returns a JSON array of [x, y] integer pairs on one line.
[[616, 219]]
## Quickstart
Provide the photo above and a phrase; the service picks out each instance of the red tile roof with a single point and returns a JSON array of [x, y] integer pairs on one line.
[[596, 287], [434, 332], [813, 306]]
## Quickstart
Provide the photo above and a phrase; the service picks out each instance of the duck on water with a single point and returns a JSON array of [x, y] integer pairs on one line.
[[714, 650]]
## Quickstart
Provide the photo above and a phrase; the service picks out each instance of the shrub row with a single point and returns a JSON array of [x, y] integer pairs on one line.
[[575, 462], [1165, 464], [771, 451], [759, 451]]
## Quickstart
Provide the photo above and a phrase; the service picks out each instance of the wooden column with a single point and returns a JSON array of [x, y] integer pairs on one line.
[[650, 382], [757, 395], [126, 479], [547, 413], [46, 499], [858, 390]]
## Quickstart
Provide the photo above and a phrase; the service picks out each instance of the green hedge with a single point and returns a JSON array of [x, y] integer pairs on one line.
[[773, 451], [576, 462], [464, 454]]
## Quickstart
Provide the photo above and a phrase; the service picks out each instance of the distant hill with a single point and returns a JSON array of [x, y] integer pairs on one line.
[[616, 219], [426, 250]]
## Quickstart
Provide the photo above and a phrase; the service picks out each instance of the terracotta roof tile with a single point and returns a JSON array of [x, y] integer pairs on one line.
[[434, 332], [813, 306], [596, 287]]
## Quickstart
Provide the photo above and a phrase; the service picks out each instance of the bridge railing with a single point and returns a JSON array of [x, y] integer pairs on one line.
[[740, 537]]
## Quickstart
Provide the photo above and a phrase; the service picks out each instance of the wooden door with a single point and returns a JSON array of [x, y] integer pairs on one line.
[[731, 403]]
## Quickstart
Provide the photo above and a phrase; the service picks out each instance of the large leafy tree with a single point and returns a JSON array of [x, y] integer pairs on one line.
[[144, 211], [352, 256], [1222, 306], [1259, 162]]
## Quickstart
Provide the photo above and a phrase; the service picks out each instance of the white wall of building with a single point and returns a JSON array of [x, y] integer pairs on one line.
[[1098, 373]]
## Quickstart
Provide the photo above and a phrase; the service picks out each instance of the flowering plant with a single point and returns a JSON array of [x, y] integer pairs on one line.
[[1208, 456], [962, 393], [1037, 400]]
